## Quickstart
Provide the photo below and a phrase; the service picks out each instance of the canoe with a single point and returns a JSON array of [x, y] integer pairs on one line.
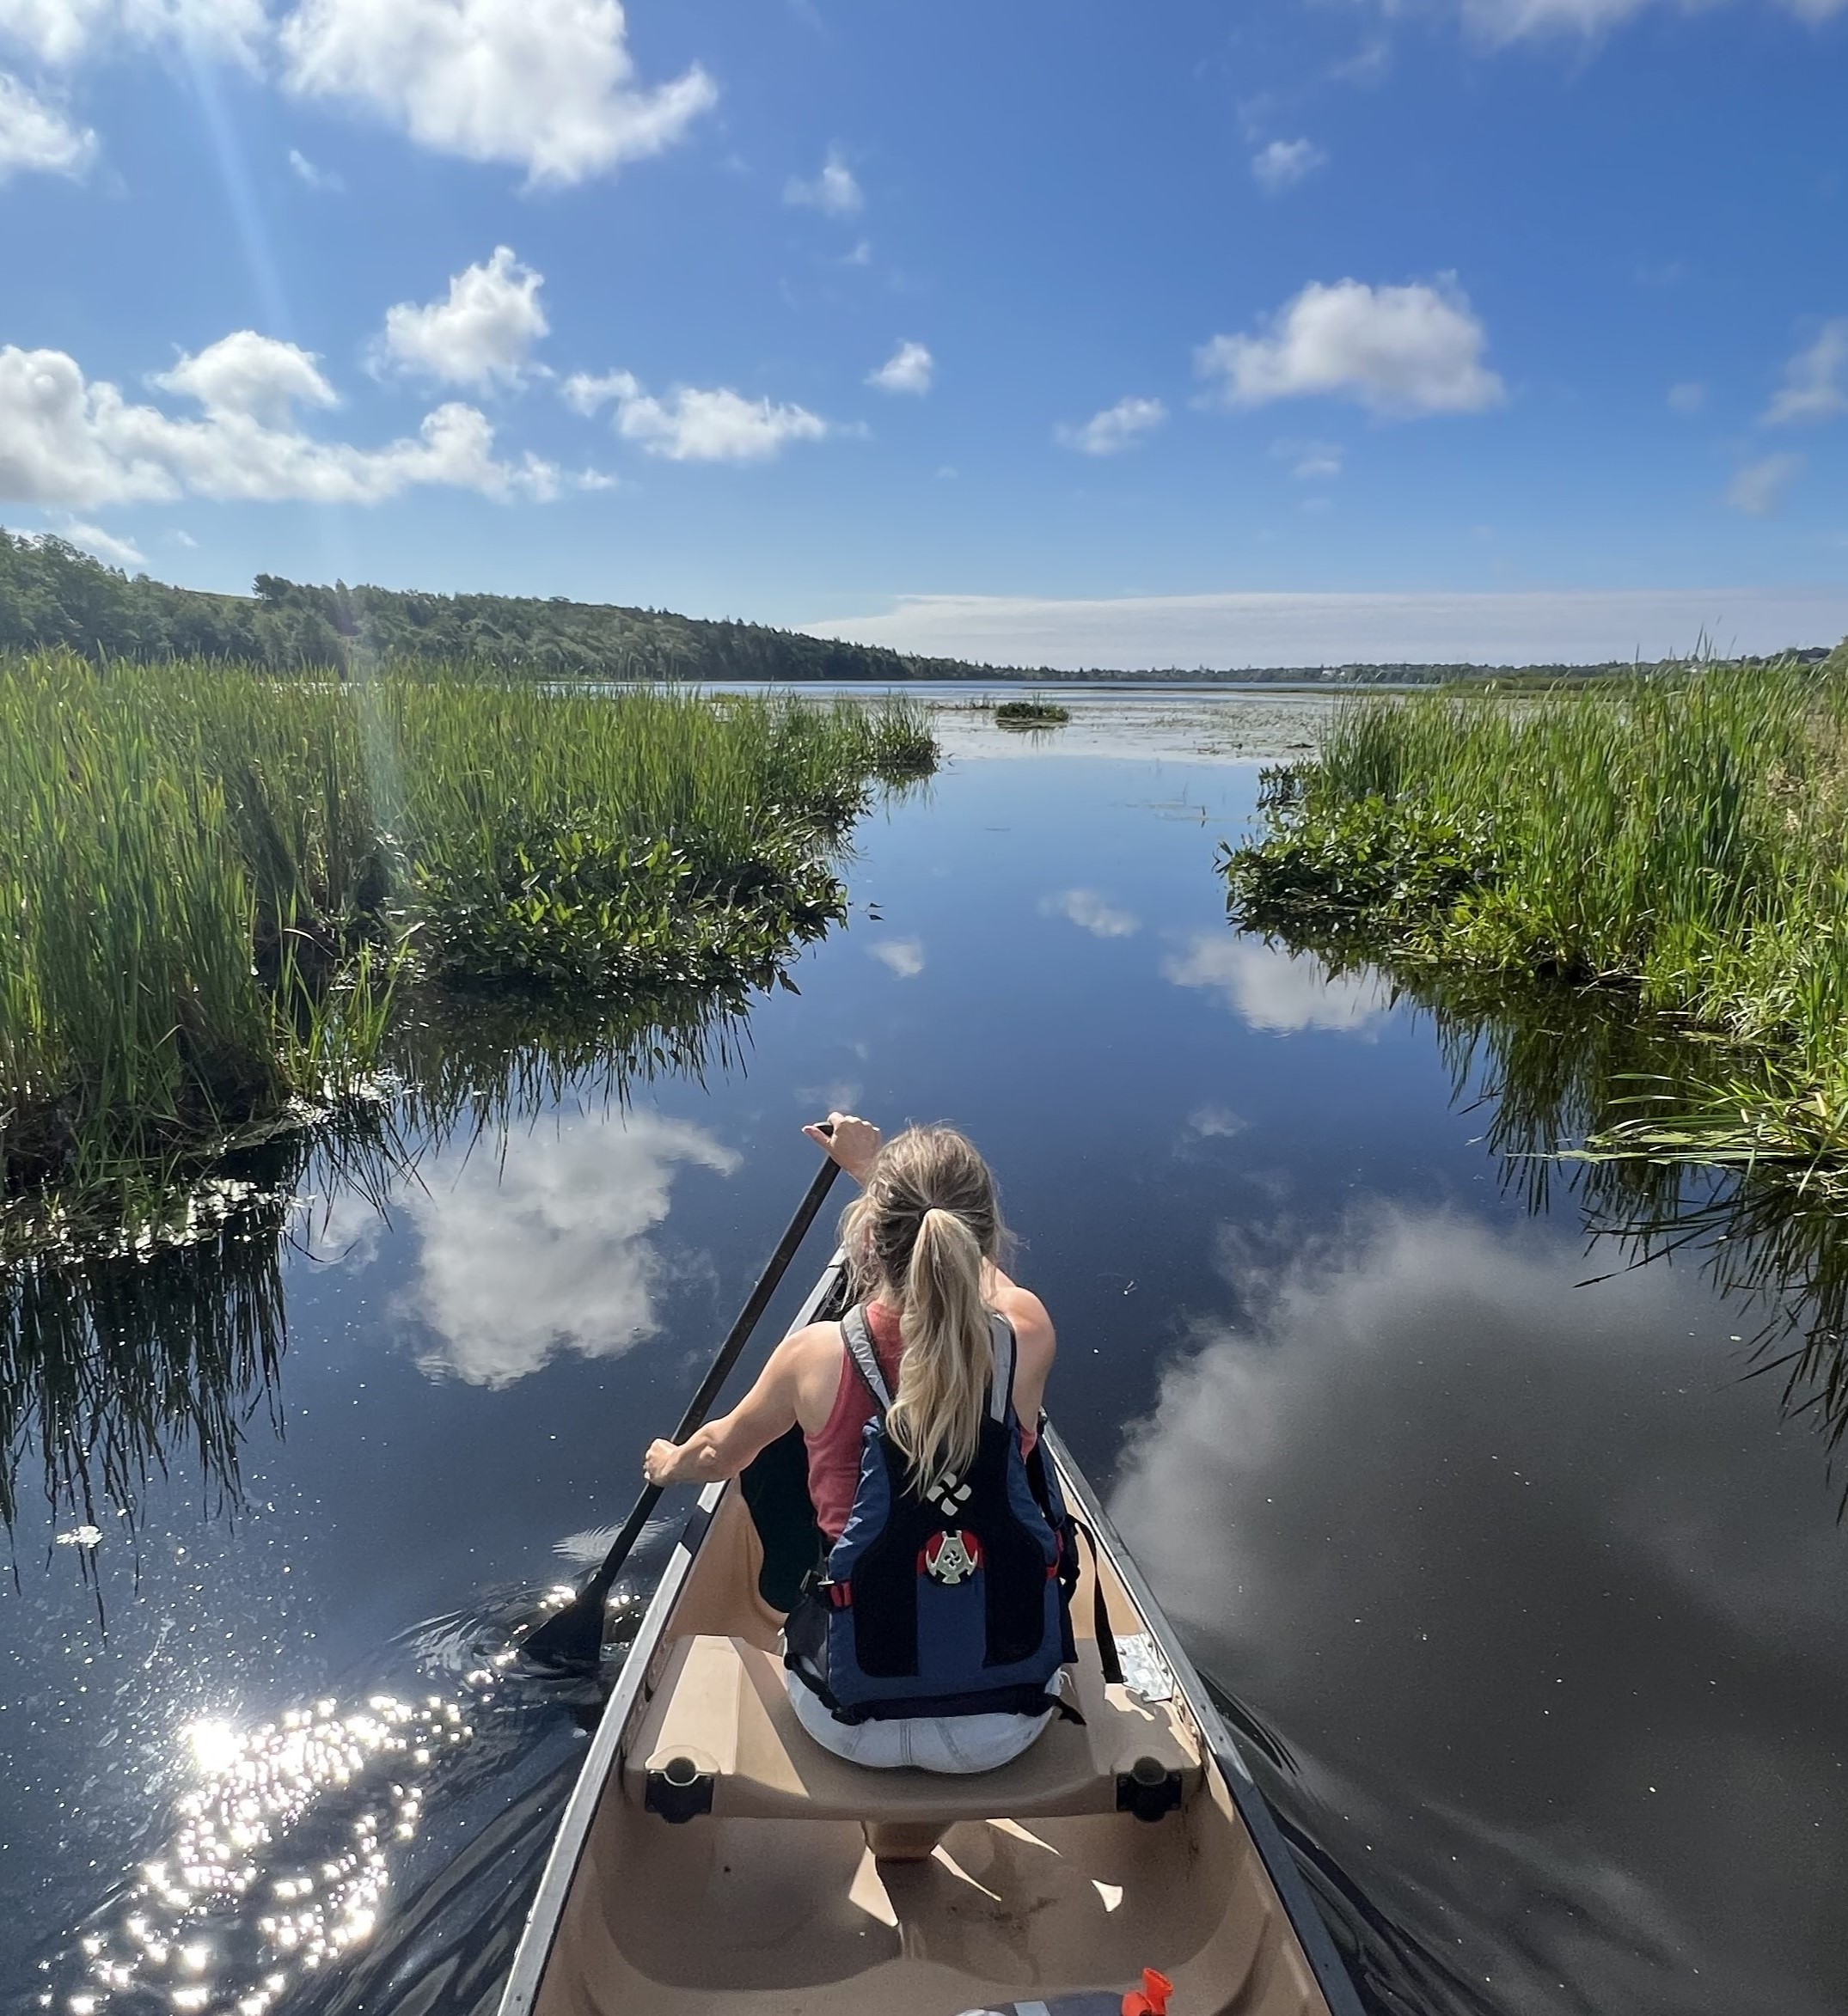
[[715, 1859]]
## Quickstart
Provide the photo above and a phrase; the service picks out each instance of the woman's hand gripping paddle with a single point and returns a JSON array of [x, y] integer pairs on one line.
[[572, 1640]]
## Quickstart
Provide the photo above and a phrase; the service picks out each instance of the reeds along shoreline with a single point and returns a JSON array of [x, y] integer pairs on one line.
[[215, 881], [1681, 839]]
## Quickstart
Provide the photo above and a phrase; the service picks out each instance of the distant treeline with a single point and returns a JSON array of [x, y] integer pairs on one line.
[[52, 594]]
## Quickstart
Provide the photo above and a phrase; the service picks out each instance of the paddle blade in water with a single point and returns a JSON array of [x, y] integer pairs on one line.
[[572, 1641]]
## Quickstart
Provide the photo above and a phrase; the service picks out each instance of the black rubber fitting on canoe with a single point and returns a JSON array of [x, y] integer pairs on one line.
[[678, 1790], [1147, 1789]]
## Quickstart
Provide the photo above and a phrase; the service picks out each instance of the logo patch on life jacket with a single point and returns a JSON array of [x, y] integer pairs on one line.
[[950, 1557]]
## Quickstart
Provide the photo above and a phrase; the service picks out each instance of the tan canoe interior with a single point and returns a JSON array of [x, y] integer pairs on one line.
[[775, 1902]]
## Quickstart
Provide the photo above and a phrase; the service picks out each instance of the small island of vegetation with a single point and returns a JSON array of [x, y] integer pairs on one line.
[[1035, 712]]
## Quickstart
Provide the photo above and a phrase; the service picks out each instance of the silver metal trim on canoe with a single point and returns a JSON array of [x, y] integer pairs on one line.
[[1319, 1947], [535, 1949]]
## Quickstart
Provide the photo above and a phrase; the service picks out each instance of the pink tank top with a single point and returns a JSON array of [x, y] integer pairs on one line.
[[833, 1455]]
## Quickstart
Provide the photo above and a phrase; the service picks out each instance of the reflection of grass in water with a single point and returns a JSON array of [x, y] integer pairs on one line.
[[1553, 1067], [121, 1354]]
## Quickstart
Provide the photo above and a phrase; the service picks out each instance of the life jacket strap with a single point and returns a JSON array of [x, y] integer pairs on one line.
[[1001, 1386], [1108, 1656], [858, 1340], [857, 1335]]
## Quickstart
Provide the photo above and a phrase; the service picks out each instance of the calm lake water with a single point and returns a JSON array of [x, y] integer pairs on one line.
[[1534, 1600]]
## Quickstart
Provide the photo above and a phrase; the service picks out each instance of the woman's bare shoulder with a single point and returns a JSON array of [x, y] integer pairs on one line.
[[815, 1344], [1028, 1315], [807, 1364]]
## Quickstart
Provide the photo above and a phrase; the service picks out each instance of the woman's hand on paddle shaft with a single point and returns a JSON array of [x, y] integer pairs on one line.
[[853, 1142], [667, 1463]]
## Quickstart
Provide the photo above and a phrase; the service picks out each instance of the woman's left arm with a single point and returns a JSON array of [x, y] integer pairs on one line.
[[723, 1447]]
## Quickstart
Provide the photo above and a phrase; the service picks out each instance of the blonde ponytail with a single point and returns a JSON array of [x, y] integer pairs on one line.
[[921, 1235], [943, 1381]]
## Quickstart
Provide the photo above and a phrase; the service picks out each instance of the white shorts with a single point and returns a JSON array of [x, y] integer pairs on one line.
[[925, 1742]]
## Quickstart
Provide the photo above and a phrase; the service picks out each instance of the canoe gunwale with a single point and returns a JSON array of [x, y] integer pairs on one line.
[[1312, 1931]]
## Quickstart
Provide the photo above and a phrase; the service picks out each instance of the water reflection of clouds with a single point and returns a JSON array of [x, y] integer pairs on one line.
[[343, 1230], [1272, 989], [1090, 912], [545, 1248], [904, 956], [1424, 1504]]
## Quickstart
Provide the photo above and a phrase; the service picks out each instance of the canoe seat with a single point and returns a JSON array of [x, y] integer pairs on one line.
[[720, 1716]]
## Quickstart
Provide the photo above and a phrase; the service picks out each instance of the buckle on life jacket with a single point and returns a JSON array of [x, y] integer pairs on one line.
[[839, 1594]]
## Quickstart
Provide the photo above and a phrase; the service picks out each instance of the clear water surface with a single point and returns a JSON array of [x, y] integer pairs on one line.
[[1532, 1601]]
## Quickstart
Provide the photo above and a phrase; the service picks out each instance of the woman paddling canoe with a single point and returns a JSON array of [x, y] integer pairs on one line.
[[933, 1633], [717, 1860]]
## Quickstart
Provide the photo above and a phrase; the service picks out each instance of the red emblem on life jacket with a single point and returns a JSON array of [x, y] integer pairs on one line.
[[950, 1557]]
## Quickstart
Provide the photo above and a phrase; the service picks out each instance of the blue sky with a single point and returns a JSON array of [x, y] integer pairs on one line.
[[951, 321]]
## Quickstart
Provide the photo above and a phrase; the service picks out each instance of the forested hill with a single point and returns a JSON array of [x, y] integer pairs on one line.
[[50, 593]]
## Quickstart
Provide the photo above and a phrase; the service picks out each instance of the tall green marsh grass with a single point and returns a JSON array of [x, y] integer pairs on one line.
[[215, 881], [1681, 838]]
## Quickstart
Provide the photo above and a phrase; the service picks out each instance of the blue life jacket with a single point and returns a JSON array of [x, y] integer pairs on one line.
[[950, 1602]]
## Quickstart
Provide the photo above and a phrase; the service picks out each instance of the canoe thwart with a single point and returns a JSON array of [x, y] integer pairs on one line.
[[722, 1713]]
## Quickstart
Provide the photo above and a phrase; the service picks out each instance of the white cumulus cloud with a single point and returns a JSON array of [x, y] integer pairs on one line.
[[1115, 428], [718, 426], [583, 392], [66, 441], [481, 334], [549, 86], [833, 191], [1400, 352], [119, 552], [253, 377], [1815, 381], [1757, 488], [63, 32], [37, 137], [1284, 163], [692, 425], [911, 368]]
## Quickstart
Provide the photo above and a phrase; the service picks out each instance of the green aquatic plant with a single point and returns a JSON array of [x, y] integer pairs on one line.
[[1679, 839], [220, 886]]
